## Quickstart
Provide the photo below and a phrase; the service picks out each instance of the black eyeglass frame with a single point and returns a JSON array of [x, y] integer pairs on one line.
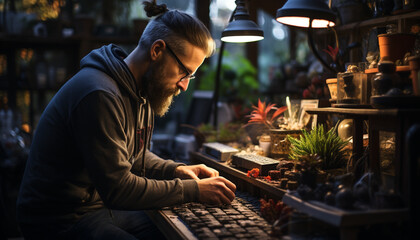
[[189, 75]]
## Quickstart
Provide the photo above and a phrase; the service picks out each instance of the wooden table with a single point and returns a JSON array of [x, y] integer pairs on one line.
[[254, 186]]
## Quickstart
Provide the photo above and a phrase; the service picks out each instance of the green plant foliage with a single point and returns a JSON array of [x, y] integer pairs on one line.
[[228, 132], [238, 78], [327, 145]]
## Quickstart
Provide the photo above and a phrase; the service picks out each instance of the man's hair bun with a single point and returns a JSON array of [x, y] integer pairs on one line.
[[153, 9]]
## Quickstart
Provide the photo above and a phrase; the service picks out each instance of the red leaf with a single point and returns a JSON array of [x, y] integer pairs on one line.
[[279, 111]]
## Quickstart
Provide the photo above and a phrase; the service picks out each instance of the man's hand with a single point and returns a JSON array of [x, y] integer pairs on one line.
[[195, 172], [216, 190]]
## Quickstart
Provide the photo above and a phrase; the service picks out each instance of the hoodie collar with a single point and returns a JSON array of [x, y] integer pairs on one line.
[[110, 59]]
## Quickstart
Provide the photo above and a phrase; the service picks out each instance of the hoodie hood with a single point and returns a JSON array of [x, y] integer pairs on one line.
[[110, 60]]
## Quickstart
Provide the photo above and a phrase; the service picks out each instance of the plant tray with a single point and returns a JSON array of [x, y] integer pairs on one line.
[[280, 146]]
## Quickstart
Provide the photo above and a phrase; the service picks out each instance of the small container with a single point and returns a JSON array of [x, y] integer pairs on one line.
[[352, 88], [385, 79], [332, 86], [265, 143]]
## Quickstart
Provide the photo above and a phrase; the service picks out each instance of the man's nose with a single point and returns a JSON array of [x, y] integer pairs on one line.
[[183, 85]]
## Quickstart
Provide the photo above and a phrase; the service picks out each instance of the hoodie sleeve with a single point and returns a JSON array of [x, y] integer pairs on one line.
[[156, 167], [98, 124]]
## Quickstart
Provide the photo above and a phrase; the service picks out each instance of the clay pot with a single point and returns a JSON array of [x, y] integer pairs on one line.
[[332, 86], [393, 46]]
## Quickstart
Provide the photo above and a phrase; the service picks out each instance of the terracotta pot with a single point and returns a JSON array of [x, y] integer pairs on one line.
[[394, 46], [332, 86]]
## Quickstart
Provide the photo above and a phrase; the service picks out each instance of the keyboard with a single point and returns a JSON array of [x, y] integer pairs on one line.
[[250, 161], [219, 151], [240, 220]]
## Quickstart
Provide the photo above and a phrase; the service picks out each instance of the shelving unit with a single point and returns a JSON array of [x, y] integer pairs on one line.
[[399, 19], [357, 31], [380, 121], [19, 81]]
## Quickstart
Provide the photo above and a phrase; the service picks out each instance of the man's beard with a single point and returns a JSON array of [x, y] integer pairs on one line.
[[159, 94]]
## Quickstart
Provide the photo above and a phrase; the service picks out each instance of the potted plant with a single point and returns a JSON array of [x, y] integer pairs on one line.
[[309, 169], [350, 11], [325, 144], [267, 122], [262, 119]]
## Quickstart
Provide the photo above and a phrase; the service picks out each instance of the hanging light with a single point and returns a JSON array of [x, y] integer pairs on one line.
[[306, 13], [241, 28]]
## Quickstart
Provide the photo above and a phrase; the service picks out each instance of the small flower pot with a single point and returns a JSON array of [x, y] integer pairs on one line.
[[332, 86], [393, 46]]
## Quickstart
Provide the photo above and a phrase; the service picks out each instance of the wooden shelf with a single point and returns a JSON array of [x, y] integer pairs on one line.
[[31, 41], [71, 49], [345, 218], [362, 111], [378, 21], [398, 69]]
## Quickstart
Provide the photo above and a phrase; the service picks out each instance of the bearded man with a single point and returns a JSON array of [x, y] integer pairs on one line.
[[90, 173]]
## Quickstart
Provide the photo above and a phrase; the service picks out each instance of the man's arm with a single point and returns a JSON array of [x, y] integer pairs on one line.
[[156, 167], [98, 130]]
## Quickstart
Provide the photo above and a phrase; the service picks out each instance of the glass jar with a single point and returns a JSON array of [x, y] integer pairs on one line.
[[385, 79], [352, 88]]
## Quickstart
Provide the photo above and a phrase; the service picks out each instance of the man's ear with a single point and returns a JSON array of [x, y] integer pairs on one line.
[[157, 48]]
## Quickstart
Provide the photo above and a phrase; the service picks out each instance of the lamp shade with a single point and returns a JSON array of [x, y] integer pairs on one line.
[[300, 13], [242, 28]]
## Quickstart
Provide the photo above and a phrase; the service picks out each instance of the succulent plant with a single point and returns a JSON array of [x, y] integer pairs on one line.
[[325, 144], [262, 114]]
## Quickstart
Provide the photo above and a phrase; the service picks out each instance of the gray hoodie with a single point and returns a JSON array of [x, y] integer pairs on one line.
[[89, 150]]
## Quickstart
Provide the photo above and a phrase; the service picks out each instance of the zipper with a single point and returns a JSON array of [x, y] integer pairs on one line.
[[136, 131], [143, 171]]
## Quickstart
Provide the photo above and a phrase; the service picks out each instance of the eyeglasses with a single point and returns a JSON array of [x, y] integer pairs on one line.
[[189, 75]]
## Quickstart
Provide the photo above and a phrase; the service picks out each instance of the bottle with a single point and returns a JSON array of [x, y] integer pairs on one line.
[[41, 71], [386, 79]]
